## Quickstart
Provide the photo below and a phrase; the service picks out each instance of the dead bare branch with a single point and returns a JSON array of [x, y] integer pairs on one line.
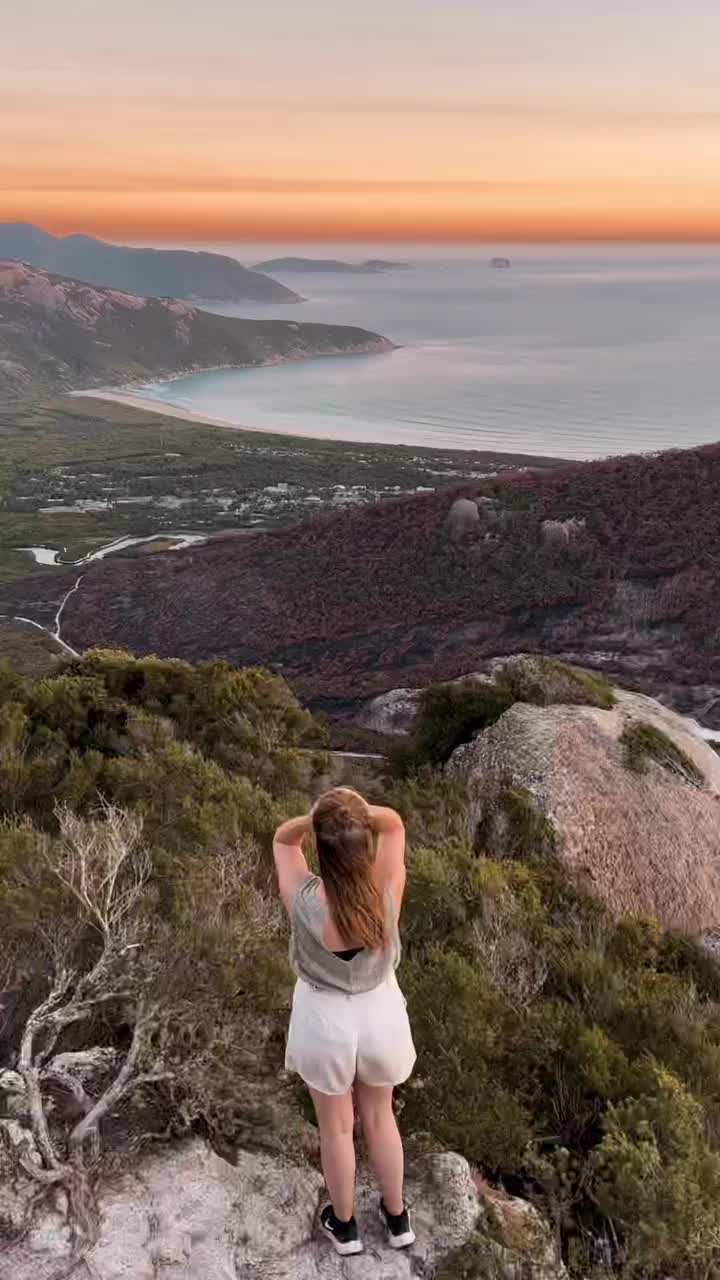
[[126, 1079], [103, 869], [29, 1070], [103, 866]]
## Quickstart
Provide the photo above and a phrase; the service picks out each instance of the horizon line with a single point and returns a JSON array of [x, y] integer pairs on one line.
[[221, 236]]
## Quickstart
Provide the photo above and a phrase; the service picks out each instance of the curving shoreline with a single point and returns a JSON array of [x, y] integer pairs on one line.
[[125, 395], [164, 407]]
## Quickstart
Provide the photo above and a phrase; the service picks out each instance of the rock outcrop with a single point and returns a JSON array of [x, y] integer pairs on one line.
[[463, 518], [622, 791], [644, 840], [560, 533], [186, 1214], [391, 713], [534, 679]]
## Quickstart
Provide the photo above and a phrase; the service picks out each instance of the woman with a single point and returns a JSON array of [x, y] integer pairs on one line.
[[349, 1030]]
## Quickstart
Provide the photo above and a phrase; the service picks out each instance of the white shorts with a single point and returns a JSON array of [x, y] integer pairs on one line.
[[335, 1039]]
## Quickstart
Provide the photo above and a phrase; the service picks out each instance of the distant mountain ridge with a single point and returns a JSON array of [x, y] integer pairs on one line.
[[58, 334], [161, 273], [371, 266]]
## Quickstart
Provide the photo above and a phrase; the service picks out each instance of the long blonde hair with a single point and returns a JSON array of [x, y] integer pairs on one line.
[[346, 852]]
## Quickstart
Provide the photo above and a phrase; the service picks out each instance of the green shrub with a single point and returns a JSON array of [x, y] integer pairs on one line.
[[512, 826], [537, 1019], [657, 1179], [458, 1092], [451, 714], [545, 682], [434, 807], [206, 758], [645, 744], [448, 715]]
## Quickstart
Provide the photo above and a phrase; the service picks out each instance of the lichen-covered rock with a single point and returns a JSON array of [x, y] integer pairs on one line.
[[13, 1095], [511, 1242], [85, 1065], [391, 713], [644, 842], [561, 533], [187, 1214], [463, 518], [395, 713], [710, 944], [526, 1249]]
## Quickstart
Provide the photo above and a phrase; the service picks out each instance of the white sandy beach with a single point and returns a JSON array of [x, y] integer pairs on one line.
[[164, 407]]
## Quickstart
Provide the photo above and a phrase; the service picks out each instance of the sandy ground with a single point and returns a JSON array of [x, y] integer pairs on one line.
[[163, 407]]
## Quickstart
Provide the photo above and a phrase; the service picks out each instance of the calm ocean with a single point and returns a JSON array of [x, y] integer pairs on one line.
[[572, 352]]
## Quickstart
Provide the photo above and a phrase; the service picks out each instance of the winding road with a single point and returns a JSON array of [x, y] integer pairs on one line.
[[51, 556], [54, 634]]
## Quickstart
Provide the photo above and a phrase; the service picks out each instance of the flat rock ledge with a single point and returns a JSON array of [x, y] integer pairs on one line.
[[185, 1214]]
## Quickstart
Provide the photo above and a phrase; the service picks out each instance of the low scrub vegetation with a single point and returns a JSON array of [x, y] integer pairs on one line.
[[380, 596], [645, 744], [448, 715], [544, 681], [514, 827], [451, 714], [572, 1058]]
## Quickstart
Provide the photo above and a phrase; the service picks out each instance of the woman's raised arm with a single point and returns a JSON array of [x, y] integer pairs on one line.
[[290, 862], [390, 857]]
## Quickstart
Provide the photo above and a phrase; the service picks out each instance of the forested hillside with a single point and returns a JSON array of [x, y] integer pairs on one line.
[[614, 564], [57, 333]]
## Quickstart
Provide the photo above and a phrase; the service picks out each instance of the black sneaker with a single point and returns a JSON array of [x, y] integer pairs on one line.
[[400, 1233], [344, 1235]]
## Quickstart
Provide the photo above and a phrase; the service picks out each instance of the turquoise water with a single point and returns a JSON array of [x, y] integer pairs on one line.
[[571, 353]]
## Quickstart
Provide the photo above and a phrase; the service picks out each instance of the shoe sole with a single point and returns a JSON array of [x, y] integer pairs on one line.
[[345, 1250], [397, 1242]]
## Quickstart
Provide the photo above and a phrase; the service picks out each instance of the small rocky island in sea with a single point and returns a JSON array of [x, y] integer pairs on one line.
[[500, 263], [371, 266]]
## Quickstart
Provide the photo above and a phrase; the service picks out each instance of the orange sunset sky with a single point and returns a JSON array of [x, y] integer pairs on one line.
[[170, 121]]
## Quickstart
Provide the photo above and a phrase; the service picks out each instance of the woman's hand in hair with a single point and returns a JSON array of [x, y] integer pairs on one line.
[[294, 831], [384, 820], [340, 792]]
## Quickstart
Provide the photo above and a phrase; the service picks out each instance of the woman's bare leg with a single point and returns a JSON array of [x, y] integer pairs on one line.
[[335, 1120], [383, 1141]]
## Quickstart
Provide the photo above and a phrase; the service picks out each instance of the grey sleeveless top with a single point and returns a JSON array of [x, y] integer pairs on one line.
[[321, 968]]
